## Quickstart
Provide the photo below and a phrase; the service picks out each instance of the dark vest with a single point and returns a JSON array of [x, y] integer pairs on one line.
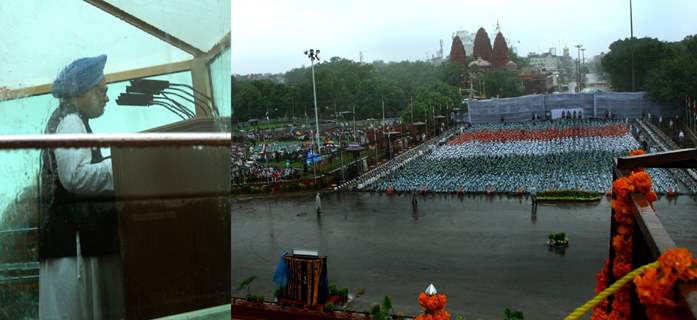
[[63, 213]]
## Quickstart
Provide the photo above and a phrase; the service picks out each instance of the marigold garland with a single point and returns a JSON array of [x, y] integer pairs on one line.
[[434, 305], [622, 188], [656, 287]]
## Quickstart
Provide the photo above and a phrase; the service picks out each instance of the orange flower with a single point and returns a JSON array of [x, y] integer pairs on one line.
[[620, 304], [422, 299], [641, 181], [435, 307], [653, 288], [616, 315], [690, 273], [601, 279], [622, 187], [432, 303], [620, 268], [680, 260], [662, 313], [651, 196], [636, 152], [656, 287], [623, 212], [625, 230], [599, 311]]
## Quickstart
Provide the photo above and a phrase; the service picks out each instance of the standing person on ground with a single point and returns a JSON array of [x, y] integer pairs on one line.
[[533, 197], [318, 204], [414, 201], [80, 275]]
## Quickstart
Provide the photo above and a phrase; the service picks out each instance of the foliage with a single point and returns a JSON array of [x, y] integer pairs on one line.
[[329, 307], [335, 291], [622, 216], [454, 74], [647, 54], [501, 83], [520, 61], [512, 314], [343, 85], [672, 79], [557, 239], [436, 99], [384, 311], [246, 283], [575, 195], [255, 298]]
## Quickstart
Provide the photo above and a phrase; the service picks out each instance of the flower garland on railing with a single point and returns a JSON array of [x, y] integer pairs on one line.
[[434, 303], [622, 188], [656, 287]]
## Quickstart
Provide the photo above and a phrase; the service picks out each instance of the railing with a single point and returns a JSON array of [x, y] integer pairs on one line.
[[382, 169], [687, 177], [650, 239]]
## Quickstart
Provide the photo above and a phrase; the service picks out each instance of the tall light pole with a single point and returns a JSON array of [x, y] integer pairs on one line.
[[631, 42], [578, 68], [314, 55], [583, 62]]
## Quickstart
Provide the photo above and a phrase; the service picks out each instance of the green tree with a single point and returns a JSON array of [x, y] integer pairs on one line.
[[648, 52], [438, 98], [409, 76], [345, 85], [246, 99], [519, 61], [453, 74], [674, 78], [502, 83]]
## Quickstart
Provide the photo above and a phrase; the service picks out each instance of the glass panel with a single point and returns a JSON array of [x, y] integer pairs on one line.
[[121, 118], [220, 78], [158, 214], [191, 21], [29, 115], [159, 217], [77, 29]]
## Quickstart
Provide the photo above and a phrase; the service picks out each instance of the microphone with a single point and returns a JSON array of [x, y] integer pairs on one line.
[[134, 99], [147, 86]]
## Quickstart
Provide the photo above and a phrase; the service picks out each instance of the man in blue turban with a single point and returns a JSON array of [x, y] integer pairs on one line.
[[80, 274]]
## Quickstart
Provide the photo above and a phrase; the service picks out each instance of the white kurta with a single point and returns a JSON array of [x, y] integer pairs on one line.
[[81, 287]]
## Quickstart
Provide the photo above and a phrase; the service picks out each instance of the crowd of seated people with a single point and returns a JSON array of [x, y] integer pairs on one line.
[[515, 157]]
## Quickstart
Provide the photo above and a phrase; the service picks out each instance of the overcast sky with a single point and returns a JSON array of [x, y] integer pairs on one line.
[[271, 35]]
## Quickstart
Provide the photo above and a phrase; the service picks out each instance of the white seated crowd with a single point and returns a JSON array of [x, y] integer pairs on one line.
[[557, 163]]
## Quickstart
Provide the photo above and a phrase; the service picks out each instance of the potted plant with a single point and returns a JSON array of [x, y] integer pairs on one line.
[[512, 314], [246, 283], [382, 312], [557, 240]]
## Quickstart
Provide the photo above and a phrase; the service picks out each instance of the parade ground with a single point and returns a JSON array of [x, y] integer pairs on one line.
[[485, 253]]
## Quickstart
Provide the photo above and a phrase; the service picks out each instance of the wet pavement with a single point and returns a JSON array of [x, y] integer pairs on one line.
[[484, 253]]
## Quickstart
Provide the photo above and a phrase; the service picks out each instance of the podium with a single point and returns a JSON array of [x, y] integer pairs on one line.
[[174, 224], [307, 280]]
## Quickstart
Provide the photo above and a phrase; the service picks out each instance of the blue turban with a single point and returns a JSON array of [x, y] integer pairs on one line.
[[79, 76]]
